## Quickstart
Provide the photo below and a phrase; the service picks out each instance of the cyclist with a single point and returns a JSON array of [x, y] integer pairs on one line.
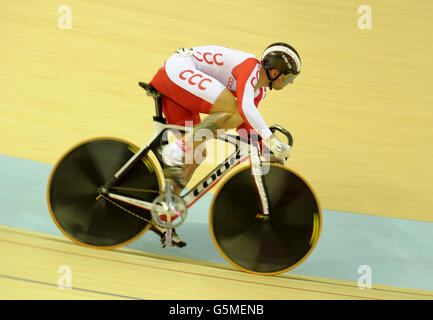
[[228, 85]]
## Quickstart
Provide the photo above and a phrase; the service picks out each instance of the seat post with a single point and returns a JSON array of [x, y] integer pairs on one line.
[[157, 96], [158, 106]]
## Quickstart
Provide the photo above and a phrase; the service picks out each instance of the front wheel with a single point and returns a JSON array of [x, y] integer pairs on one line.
[[265, 246]]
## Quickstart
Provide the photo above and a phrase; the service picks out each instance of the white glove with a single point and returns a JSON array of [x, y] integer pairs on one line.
[[184, 52], [280, 149]]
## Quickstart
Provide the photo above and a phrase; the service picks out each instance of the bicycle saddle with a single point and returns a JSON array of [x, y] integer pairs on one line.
[[150, 90]]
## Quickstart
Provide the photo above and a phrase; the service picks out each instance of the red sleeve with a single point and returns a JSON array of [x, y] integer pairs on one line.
[[246, 75]]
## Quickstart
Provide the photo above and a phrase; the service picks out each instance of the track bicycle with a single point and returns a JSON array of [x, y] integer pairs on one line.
[[106, 192]]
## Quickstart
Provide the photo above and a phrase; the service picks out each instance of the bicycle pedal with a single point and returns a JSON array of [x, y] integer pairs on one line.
[[176, 241], [179, 244]]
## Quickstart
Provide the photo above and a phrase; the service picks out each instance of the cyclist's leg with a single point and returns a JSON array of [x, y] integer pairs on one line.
[[197, 92], [223, 113], [178, 115], [227, 104]]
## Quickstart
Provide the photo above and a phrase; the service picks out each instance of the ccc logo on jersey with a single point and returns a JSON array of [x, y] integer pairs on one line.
[[209, 58], [194, 78]]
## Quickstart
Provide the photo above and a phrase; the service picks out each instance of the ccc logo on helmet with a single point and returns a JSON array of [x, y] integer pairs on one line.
[[194, 79]]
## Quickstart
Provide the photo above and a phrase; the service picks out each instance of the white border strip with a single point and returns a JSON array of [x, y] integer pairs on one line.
[[285, 50]]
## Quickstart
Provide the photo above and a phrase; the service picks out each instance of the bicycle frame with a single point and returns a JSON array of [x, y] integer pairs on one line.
[[241, 152]]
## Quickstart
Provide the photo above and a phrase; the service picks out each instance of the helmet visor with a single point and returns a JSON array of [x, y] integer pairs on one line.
[[289, 77]]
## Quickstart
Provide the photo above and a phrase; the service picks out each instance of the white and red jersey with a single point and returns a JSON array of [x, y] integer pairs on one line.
[[239, 72], [195, 77]]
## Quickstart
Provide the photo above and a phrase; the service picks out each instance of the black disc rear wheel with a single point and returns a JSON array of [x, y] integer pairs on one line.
[[73, 194]]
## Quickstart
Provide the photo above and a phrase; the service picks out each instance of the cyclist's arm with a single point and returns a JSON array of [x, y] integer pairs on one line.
[[246, 77]]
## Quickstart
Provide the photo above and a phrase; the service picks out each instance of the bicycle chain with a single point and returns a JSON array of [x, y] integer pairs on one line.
[[134, 189], [124, 209]]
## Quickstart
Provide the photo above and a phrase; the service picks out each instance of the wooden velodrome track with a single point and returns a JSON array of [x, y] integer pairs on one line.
[[127, 274], [360, 113]]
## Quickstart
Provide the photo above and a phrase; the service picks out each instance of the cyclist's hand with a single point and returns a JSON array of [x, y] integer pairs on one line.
[[184, 52], [279, 149]]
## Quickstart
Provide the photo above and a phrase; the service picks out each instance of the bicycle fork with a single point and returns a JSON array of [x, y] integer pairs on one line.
[[256, 168]]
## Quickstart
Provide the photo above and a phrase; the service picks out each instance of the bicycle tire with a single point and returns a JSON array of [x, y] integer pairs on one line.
[[72, 193], [251, 243]]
